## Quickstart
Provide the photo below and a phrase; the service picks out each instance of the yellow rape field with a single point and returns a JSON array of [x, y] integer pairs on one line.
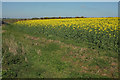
[[102, 32]]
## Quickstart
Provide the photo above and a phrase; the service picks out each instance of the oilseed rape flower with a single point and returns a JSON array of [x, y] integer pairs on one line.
[[86, 29]]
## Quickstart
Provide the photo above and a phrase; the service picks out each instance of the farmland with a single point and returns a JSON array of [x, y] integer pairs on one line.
[[102, 31], [61, 48]]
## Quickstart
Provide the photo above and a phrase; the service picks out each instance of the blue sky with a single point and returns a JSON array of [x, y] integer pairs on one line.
[[60, 0], [41, 9]]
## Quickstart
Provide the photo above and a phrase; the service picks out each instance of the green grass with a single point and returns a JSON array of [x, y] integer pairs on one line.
[[34, 55]]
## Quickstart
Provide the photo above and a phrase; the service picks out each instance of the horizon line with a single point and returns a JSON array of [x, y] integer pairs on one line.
[[58, 17]]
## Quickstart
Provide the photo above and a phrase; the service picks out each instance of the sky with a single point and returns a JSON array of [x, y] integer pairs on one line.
[[66, 9], [60, 0]]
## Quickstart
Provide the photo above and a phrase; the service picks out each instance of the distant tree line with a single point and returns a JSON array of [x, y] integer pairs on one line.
[[45, 18], [57, 17]]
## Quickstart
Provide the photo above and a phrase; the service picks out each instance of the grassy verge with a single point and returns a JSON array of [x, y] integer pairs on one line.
[[35, 55]]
